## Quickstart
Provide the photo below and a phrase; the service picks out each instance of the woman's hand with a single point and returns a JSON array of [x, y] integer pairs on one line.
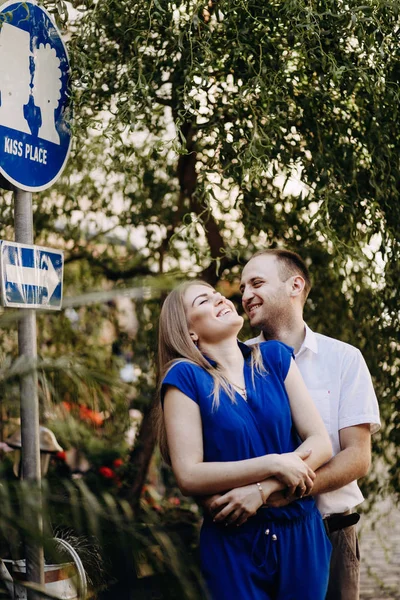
[[295, 473], [236, 506]]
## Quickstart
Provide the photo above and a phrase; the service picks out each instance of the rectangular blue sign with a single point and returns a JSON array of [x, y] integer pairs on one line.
[[31, 276]]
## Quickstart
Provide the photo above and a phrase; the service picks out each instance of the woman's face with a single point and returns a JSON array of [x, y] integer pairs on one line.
[[210, 316]]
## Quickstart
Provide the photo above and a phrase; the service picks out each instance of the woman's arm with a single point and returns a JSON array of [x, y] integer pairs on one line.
[[195, 477], [237, 505], [307, 420]]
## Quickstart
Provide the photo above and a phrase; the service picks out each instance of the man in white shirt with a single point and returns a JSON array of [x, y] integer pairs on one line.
[[275, 285]]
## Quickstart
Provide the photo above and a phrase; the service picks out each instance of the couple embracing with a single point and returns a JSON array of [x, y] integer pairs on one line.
[[270, 436]]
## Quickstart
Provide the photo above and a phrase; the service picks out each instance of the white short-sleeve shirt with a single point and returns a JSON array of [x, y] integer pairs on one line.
[[340, 384]]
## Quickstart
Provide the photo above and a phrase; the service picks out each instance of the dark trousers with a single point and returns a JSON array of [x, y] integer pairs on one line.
[[344, 576]]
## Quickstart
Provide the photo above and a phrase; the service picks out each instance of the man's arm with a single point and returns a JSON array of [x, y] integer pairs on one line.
[[351, 463]]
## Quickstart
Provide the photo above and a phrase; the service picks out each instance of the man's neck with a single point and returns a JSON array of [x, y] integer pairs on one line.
[[292, 336]]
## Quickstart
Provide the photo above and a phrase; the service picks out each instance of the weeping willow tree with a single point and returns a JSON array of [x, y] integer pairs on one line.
[[205, 130]]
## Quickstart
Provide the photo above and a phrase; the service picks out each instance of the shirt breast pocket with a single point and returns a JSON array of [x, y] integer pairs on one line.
[[321, 398]]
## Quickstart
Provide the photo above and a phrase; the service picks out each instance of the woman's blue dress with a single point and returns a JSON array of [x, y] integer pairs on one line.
[[280, 553]]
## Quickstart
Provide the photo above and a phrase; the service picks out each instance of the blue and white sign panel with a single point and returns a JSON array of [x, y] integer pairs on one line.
[[31, 276], [35, 134]]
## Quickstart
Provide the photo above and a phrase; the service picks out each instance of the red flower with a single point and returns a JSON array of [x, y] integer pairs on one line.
[[62, 455], [118, 462], [86, 414], [174, 500], [107, 472]]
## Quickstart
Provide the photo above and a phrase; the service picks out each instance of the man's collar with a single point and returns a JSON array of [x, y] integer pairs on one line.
[[310, 341], [246, 351]]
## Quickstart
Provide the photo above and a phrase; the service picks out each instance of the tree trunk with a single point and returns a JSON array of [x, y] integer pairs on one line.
[[141, 455]]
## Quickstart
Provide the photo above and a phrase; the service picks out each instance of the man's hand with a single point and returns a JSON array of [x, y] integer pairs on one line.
[[206, 502], [280, 499]]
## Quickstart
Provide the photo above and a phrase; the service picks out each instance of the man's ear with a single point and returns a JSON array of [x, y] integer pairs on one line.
[[297, 285]]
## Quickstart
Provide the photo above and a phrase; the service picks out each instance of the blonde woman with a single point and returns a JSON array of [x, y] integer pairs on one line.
[[238, 417]]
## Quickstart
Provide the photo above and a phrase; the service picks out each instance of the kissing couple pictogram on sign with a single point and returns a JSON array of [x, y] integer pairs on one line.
[[35, 113]]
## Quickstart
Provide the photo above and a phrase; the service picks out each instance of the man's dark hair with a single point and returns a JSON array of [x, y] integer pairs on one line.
[[289, 263]]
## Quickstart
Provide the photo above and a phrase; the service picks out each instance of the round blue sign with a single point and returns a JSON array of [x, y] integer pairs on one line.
[[35, 134]]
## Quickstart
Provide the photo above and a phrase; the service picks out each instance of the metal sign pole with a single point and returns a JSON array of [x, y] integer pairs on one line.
[[35, 140], [27, 342]]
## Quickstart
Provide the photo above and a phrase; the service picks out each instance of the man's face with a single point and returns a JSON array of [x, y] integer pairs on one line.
[[265, 297]]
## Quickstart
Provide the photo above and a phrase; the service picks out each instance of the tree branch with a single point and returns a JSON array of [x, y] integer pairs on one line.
[[109, 270]]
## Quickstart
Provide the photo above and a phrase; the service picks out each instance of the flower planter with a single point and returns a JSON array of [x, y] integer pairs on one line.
[[60, 580]]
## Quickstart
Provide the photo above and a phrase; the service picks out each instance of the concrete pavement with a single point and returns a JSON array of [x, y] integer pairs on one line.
[[379, 533]]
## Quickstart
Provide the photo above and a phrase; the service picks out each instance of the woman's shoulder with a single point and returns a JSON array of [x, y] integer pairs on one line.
[[184, 366], [185, 370], [186, 376], [276, 357]]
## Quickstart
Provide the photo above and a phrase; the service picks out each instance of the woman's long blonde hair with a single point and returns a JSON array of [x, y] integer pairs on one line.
[[175, 345]]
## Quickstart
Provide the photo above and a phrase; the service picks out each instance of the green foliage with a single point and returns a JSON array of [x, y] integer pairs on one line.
[[202, 114], [207, 130], [112, 544], [204, 131]]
